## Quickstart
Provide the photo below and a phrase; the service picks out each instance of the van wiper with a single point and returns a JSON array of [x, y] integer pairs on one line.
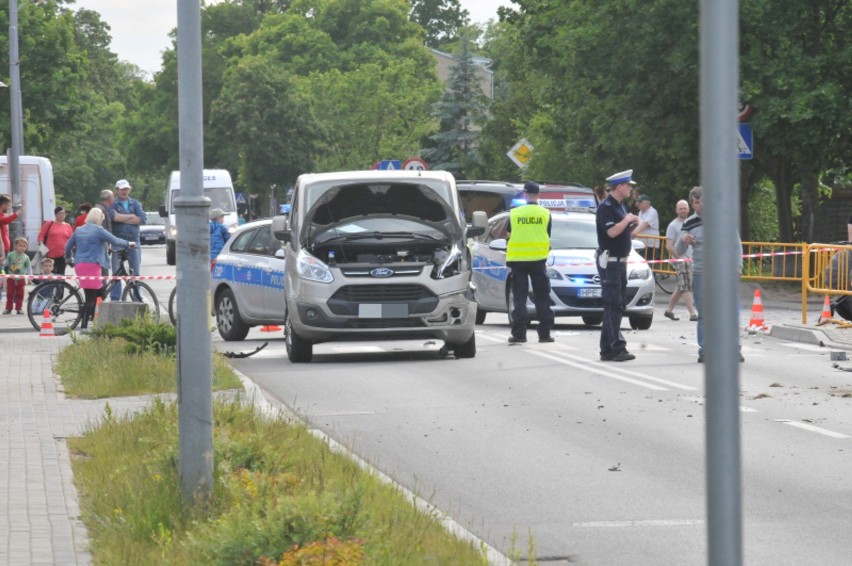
[[380, 236]]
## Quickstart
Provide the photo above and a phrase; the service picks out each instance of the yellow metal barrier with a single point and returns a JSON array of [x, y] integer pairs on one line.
[[820, 268], [827, 272]]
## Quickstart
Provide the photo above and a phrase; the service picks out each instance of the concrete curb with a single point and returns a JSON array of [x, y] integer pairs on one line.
[[815, 336]]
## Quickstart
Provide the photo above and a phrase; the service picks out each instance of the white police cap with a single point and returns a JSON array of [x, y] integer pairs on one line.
[[621, 177]]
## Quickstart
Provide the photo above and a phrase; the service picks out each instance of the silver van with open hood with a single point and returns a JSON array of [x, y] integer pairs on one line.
[[377, 255]]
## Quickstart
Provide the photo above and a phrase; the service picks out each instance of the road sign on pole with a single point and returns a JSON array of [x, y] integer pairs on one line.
[[521, 153], [745, 141], [414, 164], [390, 165]]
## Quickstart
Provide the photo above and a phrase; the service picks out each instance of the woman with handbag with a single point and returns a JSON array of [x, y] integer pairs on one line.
[[52, 239]]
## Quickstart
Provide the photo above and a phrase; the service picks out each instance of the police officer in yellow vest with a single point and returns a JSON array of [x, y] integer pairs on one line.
[[526, 256]]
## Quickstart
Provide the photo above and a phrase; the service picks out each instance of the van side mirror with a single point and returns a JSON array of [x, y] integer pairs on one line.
[[281, 228], [478, 224], [163, 212]]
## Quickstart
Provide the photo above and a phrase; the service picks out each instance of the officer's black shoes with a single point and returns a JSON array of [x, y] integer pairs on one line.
[[516, 340], [622, 356], [546, 339]]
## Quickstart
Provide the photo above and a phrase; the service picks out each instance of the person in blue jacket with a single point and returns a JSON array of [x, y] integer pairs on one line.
[[219, 233]]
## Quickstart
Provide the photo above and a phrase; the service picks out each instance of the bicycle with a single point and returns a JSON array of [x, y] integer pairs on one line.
[[65, 303], [667, 282]]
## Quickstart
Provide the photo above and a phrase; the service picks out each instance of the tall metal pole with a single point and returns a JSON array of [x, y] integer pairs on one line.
[[195, 383], [17, 118], [719, 79]]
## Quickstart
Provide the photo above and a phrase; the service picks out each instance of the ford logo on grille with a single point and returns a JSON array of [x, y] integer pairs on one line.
[[381, 272]]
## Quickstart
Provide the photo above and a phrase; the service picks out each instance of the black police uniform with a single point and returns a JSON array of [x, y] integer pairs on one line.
[[613, 275]]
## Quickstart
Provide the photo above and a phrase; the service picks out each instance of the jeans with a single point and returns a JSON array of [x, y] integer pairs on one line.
[[134, 261], [614, 296], [696, 295]]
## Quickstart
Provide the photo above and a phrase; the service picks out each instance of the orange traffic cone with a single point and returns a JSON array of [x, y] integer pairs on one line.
[[826, 310], [46, 325], [757, 323], [271, 328]]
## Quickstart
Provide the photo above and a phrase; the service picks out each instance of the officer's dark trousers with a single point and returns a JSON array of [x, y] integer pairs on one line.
[[522, 273], [613, 295]]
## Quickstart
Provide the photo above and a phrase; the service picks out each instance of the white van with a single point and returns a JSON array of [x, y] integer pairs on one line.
[[217, 187], [38, 194]]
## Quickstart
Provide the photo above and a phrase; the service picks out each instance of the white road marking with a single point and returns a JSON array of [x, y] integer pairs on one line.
[[812, 428], [585, 366], [610, 366], [640, 523]]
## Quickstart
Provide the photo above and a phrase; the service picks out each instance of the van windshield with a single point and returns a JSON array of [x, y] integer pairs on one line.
[[220, 197]]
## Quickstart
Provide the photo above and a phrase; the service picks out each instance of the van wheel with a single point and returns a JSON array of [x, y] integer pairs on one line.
[[464, 349], [170, 253], [228, 320], [299, 350]]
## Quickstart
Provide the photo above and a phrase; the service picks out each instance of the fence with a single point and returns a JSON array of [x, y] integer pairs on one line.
[[822, 269]]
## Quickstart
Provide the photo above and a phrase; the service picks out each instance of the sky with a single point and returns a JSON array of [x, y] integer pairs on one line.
[[140, 28]]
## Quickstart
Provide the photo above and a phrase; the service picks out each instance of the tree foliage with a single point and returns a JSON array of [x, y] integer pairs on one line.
[[443, 20]]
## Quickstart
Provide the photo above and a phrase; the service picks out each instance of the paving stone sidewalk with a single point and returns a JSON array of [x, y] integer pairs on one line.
[[40, 519]]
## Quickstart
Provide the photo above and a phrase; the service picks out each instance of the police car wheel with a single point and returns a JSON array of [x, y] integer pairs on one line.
[[299, 350], [641, 322], [510, 302], [592, 319], [228, 320], [480, 316]]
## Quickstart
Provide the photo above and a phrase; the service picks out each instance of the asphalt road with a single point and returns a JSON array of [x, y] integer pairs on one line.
[[601, 463]]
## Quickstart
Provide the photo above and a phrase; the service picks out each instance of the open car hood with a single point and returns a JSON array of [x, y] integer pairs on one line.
[[349, 202]]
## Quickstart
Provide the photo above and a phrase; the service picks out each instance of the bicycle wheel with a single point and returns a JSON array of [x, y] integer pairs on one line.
[[140, 292], [62, 300], [173, 307], [666, 282]]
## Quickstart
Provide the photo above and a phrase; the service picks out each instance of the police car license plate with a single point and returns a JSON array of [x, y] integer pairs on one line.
[[393, 310], [593, 292]]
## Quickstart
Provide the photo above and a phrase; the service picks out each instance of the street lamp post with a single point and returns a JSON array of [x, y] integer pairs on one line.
[[17, 117]]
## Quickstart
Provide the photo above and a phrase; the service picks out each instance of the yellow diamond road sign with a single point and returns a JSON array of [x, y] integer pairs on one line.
[[521, 153]]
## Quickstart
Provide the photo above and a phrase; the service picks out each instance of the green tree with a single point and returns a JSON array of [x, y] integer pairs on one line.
[[461, 110], [443, 20]]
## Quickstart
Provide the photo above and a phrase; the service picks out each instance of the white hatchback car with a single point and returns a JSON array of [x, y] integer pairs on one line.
[[574, 281], [248, 281]]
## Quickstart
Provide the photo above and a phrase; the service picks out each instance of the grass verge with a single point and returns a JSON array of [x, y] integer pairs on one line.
[[280, 495]]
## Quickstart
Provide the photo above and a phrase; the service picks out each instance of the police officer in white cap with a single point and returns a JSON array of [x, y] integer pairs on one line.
[[614, 225]]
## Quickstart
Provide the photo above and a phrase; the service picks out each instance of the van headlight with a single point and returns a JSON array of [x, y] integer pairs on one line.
[[448, 263], [640, 273], [312, 269]]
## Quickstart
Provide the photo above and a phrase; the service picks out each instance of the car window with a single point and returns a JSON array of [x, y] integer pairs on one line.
[[241, 241], [262, 242], [498, 229], [573, 234], [489, 202]]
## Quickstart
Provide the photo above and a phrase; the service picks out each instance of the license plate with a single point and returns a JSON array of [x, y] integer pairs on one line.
[[392, 310], [593, 292]]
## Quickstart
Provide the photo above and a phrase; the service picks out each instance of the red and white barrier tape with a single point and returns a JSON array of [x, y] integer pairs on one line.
[[90, 277]]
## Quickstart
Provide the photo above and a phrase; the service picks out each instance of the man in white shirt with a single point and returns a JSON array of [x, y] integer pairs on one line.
[[649, 225]]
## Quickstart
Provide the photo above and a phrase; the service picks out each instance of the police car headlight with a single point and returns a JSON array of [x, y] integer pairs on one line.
[[312, 269], [449, 263], [643, 273], [553, 274]]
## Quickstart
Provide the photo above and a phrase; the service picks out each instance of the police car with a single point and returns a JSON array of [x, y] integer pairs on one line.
[[248, 281], [574, 281]]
